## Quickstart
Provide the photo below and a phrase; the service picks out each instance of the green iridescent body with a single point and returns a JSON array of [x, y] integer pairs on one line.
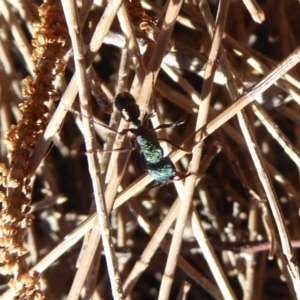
[[163, 171], [151, 148]]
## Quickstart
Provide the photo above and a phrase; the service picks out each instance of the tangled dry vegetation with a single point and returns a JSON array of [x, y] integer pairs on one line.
[[81, 221]]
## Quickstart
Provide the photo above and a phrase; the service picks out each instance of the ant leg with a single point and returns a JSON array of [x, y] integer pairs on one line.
[[177, 123], [178, 176], [75, 112], [144, 164], [174, 145], [124, 131], [181, 175], [158, 184], [98, 93], [151, 115], [122, 149], [112, 150], [133, 146]]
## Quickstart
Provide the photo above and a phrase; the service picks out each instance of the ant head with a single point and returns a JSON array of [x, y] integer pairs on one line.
[[125, 103]]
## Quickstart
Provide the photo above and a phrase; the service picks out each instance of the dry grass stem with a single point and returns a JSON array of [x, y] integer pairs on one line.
[[72, 18], [254, 9], [194, 166]]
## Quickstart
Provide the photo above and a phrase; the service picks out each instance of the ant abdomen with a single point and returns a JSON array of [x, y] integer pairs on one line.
[[163, 171]]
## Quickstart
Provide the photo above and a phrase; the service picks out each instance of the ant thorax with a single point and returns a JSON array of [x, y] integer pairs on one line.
[[136, 123], [151, 148]]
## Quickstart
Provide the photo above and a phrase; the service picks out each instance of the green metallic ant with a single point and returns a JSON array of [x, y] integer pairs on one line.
[[159, 167]]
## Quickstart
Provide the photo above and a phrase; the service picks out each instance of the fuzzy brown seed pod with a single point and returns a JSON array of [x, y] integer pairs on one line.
[[21, 139]]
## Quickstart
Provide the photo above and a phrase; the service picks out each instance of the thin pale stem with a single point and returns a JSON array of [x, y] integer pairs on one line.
[[194, 166], [72, 18]]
